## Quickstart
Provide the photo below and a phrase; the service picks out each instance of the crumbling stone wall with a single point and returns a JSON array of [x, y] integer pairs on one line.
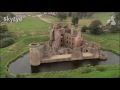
[[77, 53]]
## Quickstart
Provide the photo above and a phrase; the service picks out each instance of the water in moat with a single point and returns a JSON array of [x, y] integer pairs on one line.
[[22, 65]]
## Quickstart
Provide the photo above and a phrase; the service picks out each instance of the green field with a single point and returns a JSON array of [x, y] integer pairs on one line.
[[103, 16], [17, 50], [110, 71], [51, 18], [108, 41], [28, 26], [28, 13]]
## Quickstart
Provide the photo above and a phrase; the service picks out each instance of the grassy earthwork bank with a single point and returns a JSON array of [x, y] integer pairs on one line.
[[108, 71], [11, 53], [28, 26], [27, 31]]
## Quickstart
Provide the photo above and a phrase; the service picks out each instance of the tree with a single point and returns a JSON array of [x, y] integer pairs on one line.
[[83, 14], [117, 19], [75, 19], [3, 28], [4, 14], [117, 16], [69, 14], [95, 28], [114, 29], [84, 28], [1, 19], [6, 38], [62, 15]]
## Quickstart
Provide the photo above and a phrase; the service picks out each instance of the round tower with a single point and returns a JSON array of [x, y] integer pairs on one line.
[[35, 54]]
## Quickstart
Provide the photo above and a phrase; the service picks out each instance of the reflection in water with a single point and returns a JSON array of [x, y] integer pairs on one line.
[[22, 65], [34, 69]]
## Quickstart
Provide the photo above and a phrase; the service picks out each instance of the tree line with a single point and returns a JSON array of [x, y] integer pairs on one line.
[[95, 26], [74, 15], [6, 37]]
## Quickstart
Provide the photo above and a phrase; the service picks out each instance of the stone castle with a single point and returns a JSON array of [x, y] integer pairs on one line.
[[65, 44]]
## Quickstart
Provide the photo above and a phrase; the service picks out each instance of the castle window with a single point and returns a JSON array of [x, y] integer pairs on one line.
[[86, 50], [67, 41]]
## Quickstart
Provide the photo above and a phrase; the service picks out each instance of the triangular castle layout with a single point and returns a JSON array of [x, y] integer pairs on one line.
[[65, 44]]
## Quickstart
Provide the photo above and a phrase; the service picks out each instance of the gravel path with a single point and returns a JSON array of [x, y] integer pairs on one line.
[[45, 20]]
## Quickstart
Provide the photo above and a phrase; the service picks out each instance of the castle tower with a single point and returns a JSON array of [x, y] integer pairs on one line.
[[78, 40], [36, 54]]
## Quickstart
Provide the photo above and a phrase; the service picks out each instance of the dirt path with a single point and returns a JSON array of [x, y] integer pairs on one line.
[[45, 20]]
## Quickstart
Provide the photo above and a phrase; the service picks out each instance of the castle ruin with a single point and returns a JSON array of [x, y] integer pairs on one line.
[[65, 44]]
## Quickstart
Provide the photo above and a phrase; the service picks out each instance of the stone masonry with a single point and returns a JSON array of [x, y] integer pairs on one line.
[[65, 44]]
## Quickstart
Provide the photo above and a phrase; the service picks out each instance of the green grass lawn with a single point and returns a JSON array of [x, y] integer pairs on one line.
[[108, 41], [28, 26], [110, 71], [103, 16], [18, 49]]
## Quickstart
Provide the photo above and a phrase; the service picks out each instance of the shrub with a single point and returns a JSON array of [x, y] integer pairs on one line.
[[6, 75], [95, 28], [75, 20], [4, 36], [6, 42], [62, 15], [3, 28], [100, 68], [20, 76], [86, 70], [114, 29], [84, 28]]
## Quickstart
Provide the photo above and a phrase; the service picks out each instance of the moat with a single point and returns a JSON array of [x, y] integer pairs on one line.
[[23, 66]]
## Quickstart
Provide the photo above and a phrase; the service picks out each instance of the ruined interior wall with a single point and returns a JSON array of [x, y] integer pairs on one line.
[[69, 41], [76, 53], [91, 47]]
